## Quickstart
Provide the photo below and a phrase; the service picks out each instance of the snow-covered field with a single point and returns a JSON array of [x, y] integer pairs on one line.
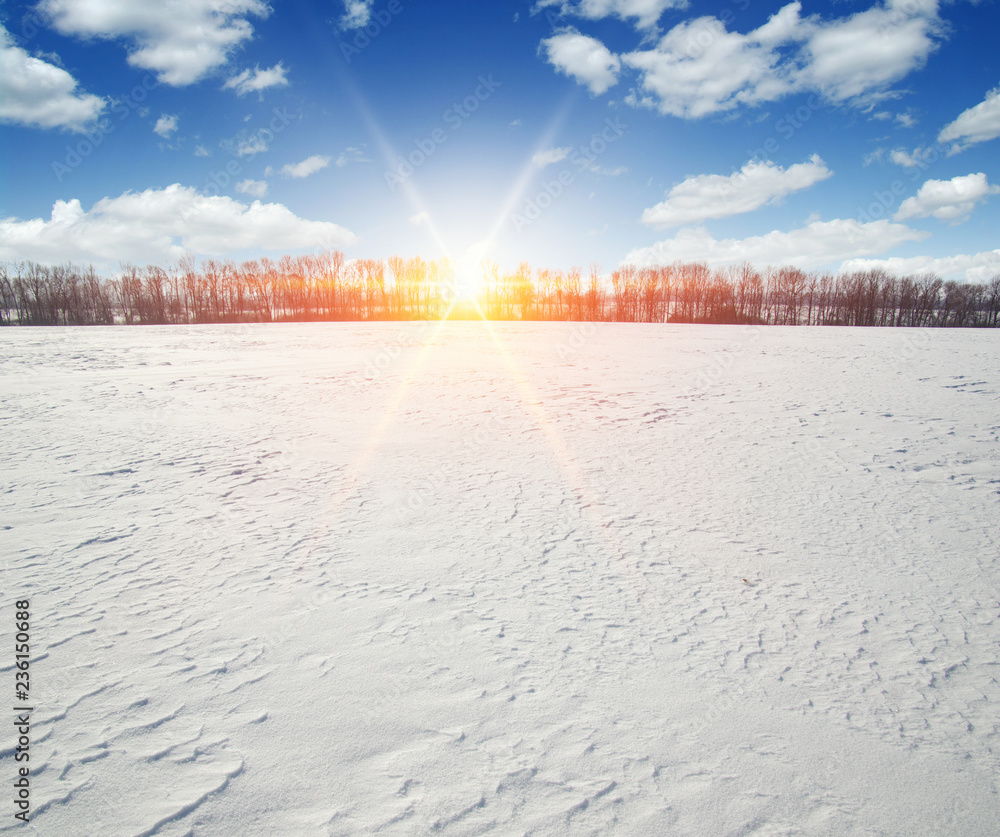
[[516, 579]]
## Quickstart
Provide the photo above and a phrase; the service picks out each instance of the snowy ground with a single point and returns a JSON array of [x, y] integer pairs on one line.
[[522, 579]]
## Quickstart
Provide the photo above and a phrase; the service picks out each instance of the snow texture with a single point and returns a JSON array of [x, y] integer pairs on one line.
[[509, 579]]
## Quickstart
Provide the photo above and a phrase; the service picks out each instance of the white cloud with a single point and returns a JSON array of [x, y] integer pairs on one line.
[[910, 160], [699, 67], [310, 165], [646, 12], [160, 226], [718, 196], [357, 13], [947, 200], [419, 220], [351, 155], [181, 41], [870, 50], [814, 245], [39, 94], [257, 80], [551, 156], [165, 125], [583, 58], [617, 171], [977, 124], [973, 267], [201, 151], [251, 146], [254, 188]]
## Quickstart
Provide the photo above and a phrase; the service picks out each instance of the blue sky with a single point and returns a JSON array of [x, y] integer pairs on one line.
[[828, 135]]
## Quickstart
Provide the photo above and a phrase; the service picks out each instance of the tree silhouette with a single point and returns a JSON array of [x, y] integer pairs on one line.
[[326, 286]]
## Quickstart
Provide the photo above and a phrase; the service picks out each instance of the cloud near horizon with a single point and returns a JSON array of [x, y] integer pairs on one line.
[[161, 226], [812, 246], [973, 267], [757, 184], [947, 200]]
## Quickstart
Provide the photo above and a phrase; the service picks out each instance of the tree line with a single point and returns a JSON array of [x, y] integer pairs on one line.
[[328, 287]]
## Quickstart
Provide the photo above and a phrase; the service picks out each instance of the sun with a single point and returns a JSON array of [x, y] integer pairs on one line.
[[467, 284], [469, 279]]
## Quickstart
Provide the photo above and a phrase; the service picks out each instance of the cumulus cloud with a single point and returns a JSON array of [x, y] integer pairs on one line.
[[357, 13], [201, 151], [717, 196], [645, 12], [947, 200], [257, 80], [310, 165], [39, 94], [583, 58], [977, 124], [165, 126], [254, 188], [814, 245], [551, 156], [870, 50], [181, 41], [162, 225], [973, 267], [699, 67]]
